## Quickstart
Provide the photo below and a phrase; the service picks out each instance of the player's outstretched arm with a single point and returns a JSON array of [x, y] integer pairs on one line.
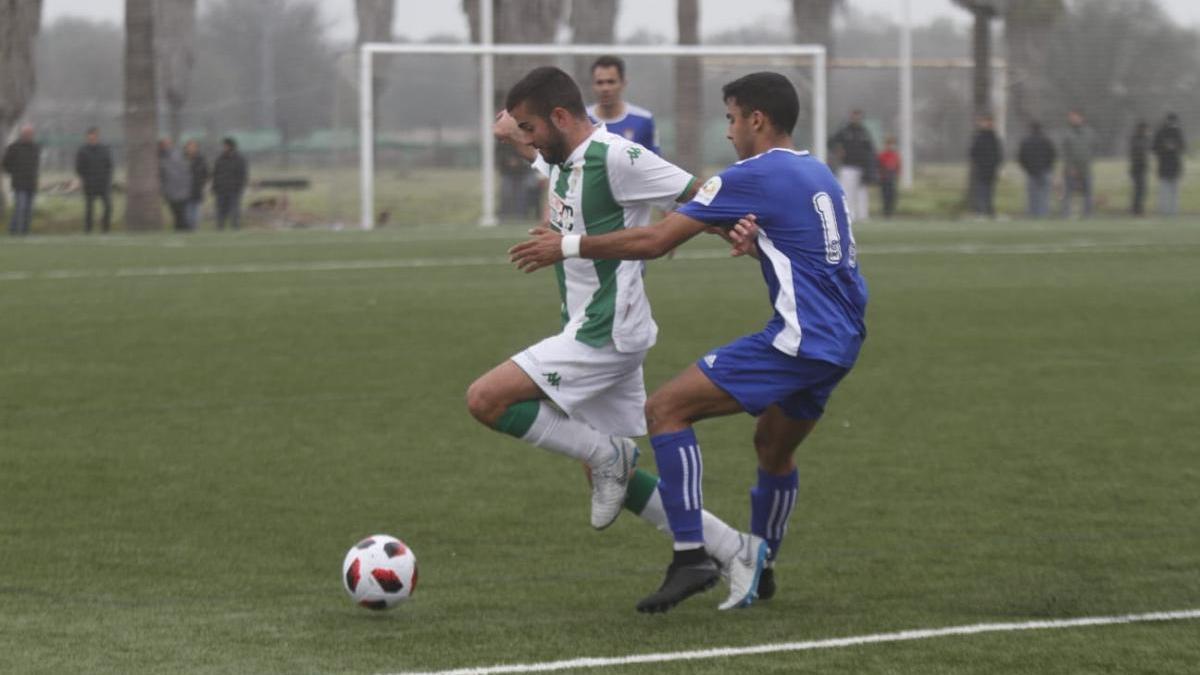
[[546, 247]]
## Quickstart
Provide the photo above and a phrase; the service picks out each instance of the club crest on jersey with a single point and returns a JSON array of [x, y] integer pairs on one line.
[[633, 153], [562, 214], [708, 191]]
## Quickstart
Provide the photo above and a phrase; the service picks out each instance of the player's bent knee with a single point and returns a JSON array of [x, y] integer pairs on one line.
[[483, 404], [662, 415]]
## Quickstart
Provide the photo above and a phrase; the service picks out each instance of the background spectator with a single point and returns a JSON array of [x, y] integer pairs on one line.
[[1077, 146], [229, 179], [855, 152], [1169, 146], [1037, 157], [889, 171], [986, 155], [1139, 150], [175, 182], [199, 174], [94, 166], [21, 160]]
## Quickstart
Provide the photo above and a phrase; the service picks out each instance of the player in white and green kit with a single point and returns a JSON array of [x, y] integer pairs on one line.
[[581, 392]]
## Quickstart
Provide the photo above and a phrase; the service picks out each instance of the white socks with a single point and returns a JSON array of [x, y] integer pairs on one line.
[[552, 430], [720, 540]]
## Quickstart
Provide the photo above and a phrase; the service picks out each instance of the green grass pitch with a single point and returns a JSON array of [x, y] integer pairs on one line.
[[193, 430]]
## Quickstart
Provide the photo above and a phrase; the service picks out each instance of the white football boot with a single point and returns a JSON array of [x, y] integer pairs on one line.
[[610, 478], [744, 572]]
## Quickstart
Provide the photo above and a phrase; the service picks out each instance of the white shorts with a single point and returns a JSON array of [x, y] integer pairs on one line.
[[599, 386]]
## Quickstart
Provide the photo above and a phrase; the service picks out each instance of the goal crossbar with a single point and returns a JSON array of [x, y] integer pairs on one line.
[[366, 124]]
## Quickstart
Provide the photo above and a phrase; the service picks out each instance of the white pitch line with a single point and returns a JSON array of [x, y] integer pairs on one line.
[[411, 263], [254, 268], [832, 643]]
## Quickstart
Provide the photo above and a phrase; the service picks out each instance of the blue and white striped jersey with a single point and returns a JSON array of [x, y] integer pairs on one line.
[[806, 246]]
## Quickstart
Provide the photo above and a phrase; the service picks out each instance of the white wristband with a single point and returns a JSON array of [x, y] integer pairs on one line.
[[570, 245]]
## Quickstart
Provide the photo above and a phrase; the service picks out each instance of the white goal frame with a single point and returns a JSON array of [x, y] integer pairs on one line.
[[487, 50]]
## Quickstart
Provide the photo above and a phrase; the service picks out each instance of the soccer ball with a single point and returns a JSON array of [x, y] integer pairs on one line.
[[380, 572]]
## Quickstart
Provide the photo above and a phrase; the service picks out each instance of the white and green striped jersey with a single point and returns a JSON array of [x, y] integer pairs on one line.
[[607, 184]]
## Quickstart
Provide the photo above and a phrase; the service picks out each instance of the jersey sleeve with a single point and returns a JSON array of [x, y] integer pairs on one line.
[[725, 198], [637, 176]]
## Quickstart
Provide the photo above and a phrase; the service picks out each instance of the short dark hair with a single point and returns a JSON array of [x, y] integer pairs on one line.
[[545, 89], [230, 141], [608, 61], [769, 93], [92, 130]]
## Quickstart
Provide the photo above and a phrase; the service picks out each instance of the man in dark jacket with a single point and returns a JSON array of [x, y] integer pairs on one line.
[[229, 178], [94, 166], [986, 155], [1139, 151], [1169, 146], [1037, 156], [199, 172], [21, 160], [854, 151]]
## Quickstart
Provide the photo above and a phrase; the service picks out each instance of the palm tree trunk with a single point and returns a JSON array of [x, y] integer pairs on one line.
[[688, 104], [175, 38], [142, 210], [812, 22], [19, 24], [514, 21], [375, 19], [1028, 32], [592, 22]]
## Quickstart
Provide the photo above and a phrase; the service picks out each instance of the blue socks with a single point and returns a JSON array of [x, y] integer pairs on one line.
[[680, 473], [771, 504]]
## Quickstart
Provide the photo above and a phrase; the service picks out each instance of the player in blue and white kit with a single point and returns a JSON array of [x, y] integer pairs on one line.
[[620, 117], [787, 209]]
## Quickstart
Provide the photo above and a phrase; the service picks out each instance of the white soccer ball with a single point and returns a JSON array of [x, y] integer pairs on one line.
[[379, 572]]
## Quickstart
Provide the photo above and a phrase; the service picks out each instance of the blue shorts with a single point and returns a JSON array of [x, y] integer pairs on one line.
[[758, 376]]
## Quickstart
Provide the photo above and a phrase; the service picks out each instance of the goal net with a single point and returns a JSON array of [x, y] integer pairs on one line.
[[430, 113]]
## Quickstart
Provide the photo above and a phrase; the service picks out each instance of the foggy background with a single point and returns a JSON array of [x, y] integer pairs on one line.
[[280, 75]]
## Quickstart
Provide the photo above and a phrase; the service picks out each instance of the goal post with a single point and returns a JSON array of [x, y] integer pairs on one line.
[[487, 51]]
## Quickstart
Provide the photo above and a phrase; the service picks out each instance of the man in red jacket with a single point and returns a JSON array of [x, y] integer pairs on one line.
[[889, 170]]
